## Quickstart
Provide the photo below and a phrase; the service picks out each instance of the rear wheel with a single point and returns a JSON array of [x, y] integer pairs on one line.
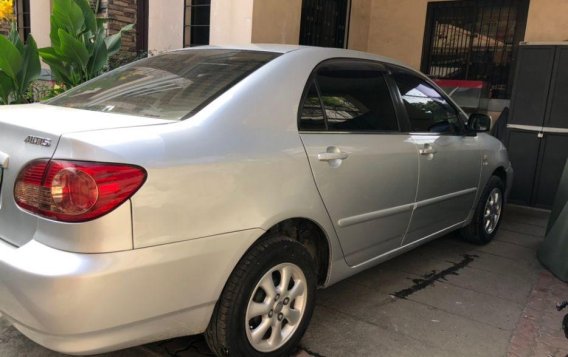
[[488, 213], [267, 303]]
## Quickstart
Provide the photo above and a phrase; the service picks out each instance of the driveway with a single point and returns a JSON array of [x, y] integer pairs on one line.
[[446, 298]]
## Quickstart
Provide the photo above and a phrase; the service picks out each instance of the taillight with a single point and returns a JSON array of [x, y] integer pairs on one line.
[[75, 191]]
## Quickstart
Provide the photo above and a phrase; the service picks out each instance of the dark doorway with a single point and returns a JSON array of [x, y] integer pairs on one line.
[[474, 40], [142, 26], [324, 23]]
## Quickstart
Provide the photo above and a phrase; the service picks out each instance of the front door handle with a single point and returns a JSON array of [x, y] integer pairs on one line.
[[329, 156], [427, 150]]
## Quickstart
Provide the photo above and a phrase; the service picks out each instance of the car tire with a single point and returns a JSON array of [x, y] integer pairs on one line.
[[488, 213], [255, 302]]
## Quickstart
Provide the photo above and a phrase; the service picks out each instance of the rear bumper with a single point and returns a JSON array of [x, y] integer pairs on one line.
[[91, 303]]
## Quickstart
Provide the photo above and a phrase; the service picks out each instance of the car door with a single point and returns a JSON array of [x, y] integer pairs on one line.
[[450, 161], [365, 169]]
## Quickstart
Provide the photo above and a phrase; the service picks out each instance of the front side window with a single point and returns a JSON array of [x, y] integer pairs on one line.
[[169, 86], [355, 97], [427, 109]]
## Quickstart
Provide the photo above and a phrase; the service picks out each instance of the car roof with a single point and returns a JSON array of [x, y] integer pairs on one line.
[[328, 51]]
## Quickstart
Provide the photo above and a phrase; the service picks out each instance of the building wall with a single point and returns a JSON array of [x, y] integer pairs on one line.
[[121, 13], [165, 25], [547, 21], [277, 21], [40, 13], [231, 22], [359, 25], [397, 29]]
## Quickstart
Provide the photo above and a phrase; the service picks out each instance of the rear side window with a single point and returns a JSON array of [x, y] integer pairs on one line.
[[427, 109], [169, 86], [355, 97], [312, 117]]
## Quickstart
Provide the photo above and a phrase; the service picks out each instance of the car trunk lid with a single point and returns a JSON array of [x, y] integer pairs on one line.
[[29, 132]]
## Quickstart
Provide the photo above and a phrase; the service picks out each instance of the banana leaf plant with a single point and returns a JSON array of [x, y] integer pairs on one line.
[[80, 48], [19, 67]]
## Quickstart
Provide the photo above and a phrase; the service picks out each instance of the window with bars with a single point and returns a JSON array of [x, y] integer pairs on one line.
[[197, 20], [474, 40], [22, 14], [324, 23]]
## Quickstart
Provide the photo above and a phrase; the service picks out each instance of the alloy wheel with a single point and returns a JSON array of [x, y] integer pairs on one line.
[[276, 307], [492, 212]]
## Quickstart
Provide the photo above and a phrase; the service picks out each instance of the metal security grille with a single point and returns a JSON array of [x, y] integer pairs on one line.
[[197, 21], [324, 23], [22, 12], [474, 40]]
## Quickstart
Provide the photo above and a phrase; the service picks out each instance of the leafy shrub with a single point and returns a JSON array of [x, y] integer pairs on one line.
[[19, 67], [80, 49]]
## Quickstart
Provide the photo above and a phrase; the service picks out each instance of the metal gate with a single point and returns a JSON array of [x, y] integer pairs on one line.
[[324, 23], [474, 40]]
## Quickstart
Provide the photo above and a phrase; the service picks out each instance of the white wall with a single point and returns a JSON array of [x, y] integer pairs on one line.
[[231, 21], [165, 25], [40, 11]]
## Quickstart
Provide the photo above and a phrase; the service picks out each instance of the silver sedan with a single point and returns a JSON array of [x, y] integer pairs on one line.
[[215, 189]]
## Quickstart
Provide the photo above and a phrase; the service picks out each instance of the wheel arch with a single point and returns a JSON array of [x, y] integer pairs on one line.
[[502, 174], [312, 236]]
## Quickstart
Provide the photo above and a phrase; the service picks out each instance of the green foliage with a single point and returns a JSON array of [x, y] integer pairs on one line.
[[80, 49], [19, 67]]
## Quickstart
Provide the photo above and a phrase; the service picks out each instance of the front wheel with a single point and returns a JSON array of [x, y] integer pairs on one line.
[[267, 302], [488, 213]]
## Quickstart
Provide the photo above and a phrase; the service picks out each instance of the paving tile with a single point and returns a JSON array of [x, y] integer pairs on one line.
[[515, 288], [470, 304], [446, 331], [538, 332], [13, 343], [523, 228], [443, 330], [333, 333], [506, 266], [511, 251], [525, 240], [526, 215]]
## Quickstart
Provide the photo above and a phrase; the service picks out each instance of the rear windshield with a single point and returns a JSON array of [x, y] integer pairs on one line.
[[171, 86]]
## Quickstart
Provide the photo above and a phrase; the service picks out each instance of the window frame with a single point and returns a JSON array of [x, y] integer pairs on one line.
[[188, 42], [22, 15], [382, 68], [462, 117]]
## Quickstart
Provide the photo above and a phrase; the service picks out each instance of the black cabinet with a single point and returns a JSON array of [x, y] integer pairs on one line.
[[537, 137]]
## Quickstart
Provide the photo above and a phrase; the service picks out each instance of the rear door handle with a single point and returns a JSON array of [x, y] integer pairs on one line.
[[329, 156]]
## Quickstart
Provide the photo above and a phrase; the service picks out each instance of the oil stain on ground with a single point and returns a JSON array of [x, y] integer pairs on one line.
[[431, 278]]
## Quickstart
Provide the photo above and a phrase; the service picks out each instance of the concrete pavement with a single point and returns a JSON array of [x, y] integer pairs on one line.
[[447, 298]]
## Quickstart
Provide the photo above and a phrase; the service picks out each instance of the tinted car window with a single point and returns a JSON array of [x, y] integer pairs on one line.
[[427, 109], [355, 97], [311, 116], [168, 86]]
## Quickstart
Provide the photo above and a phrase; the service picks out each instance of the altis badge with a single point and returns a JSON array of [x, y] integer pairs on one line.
[[35, 140]]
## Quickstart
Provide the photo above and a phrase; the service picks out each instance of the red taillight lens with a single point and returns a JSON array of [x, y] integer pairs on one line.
[[75, 191]]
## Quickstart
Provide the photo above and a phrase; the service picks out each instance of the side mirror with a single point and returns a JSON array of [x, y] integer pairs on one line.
[[479, 123]]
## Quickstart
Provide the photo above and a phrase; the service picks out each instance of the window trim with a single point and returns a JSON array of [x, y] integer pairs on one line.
[[400, 102], [187, 24], [382, 67], [22, 14]]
